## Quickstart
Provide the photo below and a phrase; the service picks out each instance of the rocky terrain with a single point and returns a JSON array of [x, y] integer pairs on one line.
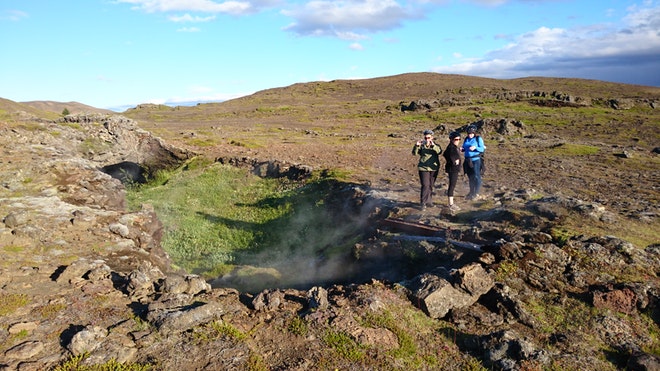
[[556, 268]]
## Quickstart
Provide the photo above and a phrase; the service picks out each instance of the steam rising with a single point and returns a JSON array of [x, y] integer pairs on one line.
[[315, 247]]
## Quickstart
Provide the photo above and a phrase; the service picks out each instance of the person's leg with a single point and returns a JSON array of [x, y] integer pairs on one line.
[[434, 177], [477, 178], [425, 180], [453, 179], [471, 183]]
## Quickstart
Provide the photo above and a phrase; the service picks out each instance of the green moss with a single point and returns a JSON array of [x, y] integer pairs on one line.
[[216, 330], [94, 145], [13, 249], [50, 311], [344, 345], [298, 326], [505, 270]]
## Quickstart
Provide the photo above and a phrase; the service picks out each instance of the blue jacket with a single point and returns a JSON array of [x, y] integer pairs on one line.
[[476, 142]]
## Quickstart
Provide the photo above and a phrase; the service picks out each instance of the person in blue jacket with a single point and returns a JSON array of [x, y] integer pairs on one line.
[[472, 148]]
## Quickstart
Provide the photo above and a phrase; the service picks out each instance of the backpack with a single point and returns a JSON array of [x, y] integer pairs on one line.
[[482, 157]]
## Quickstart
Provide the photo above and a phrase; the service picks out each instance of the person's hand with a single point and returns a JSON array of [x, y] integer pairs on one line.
[[419, 142], [457, 162], [472, 148]]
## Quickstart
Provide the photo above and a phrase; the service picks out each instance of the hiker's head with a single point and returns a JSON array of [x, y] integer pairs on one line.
[[471, 129], [428, 134], [455, 136]]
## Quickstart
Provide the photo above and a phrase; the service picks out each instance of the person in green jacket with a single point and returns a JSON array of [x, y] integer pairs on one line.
[[428, 166]]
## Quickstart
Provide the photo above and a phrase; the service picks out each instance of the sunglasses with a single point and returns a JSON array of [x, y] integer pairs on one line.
[[428, 137], [457, 139]]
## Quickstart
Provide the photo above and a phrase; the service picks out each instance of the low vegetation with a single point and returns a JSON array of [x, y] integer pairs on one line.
[[218, 216]]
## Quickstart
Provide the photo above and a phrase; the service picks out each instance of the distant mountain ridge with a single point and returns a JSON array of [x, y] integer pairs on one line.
[[406, 86], [59, 107]]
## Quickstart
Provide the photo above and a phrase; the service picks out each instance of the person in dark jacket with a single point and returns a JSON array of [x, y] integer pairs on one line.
[[452, 156], [428, 166]]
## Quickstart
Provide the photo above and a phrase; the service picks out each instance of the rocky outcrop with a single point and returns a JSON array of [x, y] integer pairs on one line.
[[470, 96], [269, 169], [111, 139]]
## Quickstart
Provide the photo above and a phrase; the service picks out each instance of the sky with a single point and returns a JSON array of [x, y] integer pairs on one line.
[[116, 54]]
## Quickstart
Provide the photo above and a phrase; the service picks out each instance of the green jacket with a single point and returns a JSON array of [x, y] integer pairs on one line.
[[429, 157]]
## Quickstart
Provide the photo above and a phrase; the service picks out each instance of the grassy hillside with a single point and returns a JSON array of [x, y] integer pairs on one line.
[[59, 107], [587, 139]]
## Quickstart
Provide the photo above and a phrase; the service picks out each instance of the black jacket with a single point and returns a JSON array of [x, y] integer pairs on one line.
[[452, 154]]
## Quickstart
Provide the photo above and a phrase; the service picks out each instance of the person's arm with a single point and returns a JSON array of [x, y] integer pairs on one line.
[[480, 145], [456, 157]]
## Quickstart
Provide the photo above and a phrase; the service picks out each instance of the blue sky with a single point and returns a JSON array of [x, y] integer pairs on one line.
[[119, 53]]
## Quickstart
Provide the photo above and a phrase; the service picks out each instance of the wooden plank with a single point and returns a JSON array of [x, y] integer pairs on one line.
[[401, 225]]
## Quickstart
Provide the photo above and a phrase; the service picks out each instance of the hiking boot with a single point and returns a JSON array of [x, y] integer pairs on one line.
[[469, 196], [477, 197], [454, 207]]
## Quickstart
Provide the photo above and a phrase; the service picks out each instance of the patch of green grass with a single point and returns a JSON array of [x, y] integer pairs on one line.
[[10, 302], [505, 270], [93, 145], [51, 310], [413, 118], [72, 125], [275, 110], [75, 363], [298, 326], [217, 216], [407, 347], [572, 149], [218, 329], [560, 236], [344, 345], [13, 249], [561, 317], [639, 234], [205, 211], [653, 344], [256, 362], [202, 142]]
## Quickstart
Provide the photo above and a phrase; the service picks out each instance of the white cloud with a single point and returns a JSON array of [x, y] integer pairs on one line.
[[356, 46], [629, 54], [190, 18], [334, 18], [13, 15], [203, 6], [350, 36], [189, 29]]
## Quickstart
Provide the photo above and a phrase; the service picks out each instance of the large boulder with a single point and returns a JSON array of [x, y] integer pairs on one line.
[[438, 293]]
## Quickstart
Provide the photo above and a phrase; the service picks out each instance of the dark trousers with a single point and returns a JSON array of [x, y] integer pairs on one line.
[[427, 179], [474, 177], [453, 179]]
